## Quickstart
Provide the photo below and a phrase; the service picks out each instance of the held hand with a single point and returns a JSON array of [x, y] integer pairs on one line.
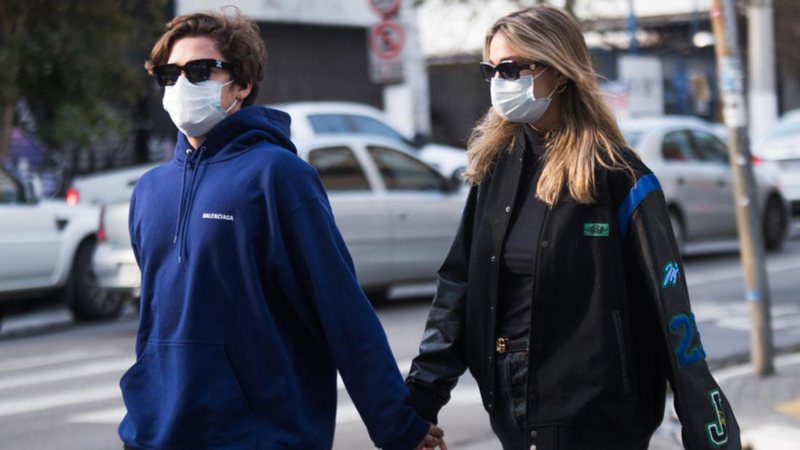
[[434, 439]]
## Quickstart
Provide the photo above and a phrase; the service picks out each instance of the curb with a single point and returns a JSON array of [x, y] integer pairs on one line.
[[764, 436], [786, 358]]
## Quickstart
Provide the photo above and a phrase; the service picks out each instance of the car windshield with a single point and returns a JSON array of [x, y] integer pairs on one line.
[[352, 123]]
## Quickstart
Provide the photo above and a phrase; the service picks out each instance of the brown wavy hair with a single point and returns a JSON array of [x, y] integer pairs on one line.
[[235, 35], [587, 135]]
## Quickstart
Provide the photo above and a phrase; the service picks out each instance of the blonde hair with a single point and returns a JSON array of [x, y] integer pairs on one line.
[[587, 134]]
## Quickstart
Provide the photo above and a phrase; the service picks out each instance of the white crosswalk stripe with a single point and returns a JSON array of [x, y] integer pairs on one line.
[[34, 361], [105, 415], [736, 315], [56, 399], [66, 373], [735, 272]]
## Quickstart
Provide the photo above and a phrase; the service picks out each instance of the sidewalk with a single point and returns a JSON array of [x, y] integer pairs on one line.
[[768, 409]]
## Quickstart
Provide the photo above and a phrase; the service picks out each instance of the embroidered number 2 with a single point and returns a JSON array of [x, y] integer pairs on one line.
[[686, 326], [718, 429]]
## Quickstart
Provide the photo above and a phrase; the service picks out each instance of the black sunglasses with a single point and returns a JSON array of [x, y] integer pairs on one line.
[[508, 69], [195, 71]]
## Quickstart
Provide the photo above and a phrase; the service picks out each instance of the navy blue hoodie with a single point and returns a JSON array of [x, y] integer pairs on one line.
[[250, 303]]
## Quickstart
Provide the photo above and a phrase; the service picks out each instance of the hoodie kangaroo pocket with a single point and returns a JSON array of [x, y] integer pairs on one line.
[[185, 395]]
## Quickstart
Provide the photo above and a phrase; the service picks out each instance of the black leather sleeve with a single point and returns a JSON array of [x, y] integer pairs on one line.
[[707, 419], [442, 360]]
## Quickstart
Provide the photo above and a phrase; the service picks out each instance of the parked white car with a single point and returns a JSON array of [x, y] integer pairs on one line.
[[46, 251], [396, 213], [313, 119], [691, 162], [780, 152], [106, 188]]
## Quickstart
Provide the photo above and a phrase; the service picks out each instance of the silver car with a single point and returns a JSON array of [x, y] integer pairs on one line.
[[780, 152], [313, 119], [691, 163], [396, 213]]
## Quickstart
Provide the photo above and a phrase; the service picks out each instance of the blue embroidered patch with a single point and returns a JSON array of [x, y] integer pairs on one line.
[[671, 274], [686, 327]]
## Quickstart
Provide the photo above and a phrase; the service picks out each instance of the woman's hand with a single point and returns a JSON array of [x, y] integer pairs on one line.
[[434, 439]]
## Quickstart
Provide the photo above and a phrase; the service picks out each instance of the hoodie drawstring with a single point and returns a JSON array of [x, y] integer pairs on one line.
[[187, 197], [189, 202], [183, 189]]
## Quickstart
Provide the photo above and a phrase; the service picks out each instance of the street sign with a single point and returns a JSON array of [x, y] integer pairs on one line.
[[386, 39], [385, 8], [731, 86], [386, 43]]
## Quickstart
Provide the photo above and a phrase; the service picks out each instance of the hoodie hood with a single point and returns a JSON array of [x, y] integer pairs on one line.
[[238, 133]]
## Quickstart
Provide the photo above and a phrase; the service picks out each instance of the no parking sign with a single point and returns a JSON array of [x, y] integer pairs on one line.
[[386, 39]]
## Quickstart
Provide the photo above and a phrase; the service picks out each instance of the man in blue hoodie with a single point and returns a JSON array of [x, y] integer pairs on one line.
[[249, 300]]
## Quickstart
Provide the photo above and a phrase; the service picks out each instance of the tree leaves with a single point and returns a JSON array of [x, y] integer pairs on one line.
[[77, 64]]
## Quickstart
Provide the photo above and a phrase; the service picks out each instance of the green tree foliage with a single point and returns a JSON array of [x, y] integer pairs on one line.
[[76, 64]]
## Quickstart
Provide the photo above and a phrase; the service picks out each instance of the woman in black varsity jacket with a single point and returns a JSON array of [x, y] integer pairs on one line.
[[563, 292]]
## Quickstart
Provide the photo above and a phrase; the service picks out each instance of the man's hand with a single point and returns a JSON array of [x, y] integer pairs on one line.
[[434, 439]]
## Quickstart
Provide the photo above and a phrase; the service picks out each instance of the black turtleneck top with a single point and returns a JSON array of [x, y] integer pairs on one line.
[[519, 248]]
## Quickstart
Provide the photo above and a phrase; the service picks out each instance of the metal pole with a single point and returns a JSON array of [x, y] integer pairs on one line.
[[761, 67], [731, 83], [634, 46]]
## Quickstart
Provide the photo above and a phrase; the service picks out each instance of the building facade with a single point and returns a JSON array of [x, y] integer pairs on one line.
[[320, 50]]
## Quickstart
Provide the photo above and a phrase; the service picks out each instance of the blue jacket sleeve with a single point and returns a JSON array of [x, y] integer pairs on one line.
[[352, 331]]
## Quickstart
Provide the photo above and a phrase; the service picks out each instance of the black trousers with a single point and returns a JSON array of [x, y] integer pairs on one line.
[[509, 418]]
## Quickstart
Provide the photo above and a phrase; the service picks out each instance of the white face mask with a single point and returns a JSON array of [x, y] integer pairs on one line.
[[195, 108], [514, 99]]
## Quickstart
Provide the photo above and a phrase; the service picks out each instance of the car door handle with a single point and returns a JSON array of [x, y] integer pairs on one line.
[[681, 181], [403, 215], [721, 183], [61, 223]]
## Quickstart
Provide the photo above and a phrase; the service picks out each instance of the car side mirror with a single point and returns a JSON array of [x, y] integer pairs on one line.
[[455, 183], [420, 140]]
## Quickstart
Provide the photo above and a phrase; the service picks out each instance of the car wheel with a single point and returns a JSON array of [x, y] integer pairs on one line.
[[677, 229], [774, 224], [88, 301]]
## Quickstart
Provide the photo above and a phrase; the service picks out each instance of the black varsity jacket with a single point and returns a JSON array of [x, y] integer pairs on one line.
[[611, 322]]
